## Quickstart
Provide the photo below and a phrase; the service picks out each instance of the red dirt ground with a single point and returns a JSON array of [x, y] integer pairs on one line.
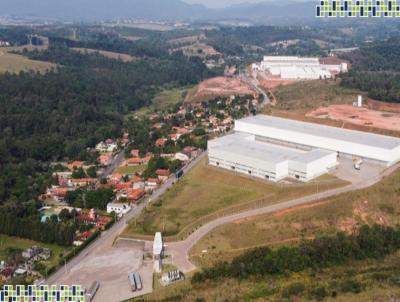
[[221, 86], [272, 83], [359, 116], [293, 209]]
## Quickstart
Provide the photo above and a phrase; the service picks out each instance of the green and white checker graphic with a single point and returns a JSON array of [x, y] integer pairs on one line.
[[358, 8], [42, 293]]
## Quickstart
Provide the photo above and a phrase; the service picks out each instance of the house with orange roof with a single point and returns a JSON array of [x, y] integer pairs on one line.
[[75, 165], [82, 182], [180, 130], [163, 174], [134, 161], [174, 136], [161, 142], [105, 159], [136, 195]]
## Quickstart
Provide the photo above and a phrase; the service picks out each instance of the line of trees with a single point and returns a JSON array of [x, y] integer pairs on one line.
[[370, 242]]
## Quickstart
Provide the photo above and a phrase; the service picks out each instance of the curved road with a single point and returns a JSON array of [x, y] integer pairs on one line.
[[179, 251]]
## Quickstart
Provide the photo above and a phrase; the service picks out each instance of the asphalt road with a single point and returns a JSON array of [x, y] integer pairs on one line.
[[117, 160], [118, 227]]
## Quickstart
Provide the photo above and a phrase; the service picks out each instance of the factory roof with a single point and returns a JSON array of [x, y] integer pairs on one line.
[[246, 145], [345, 135]]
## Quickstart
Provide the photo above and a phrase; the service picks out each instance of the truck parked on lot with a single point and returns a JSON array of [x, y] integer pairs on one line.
[[357, 164], [179, 174], [135, 281], [92, 291]]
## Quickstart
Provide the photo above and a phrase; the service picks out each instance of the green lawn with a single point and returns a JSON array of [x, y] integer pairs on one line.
[[131, 169], [206, 192], [165, 100]]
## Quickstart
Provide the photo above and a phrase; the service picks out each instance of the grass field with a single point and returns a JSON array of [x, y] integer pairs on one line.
[[166, 99], [131, 170], [206, 192], [109, 54], [14, 63], [378, 204], [309, 95], [7, 244]]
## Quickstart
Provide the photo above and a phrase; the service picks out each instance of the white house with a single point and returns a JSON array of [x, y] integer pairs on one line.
[[118, 208], [181, 156]]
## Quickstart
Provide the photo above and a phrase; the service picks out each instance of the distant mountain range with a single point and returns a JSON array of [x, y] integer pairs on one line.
[[162, 10]]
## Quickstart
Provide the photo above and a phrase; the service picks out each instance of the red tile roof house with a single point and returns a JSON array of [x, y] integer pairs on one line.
[[105, 159], [82, 182], [163, 174], [161, 142], [152, 183], [174, 136], [85, 235], [136, 195], [75, 164], [134, 161]]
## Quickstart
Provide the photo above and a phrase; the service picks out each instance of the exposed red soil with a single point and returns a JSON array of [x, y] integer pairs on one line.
[[359, 116], [302, 207], [221, 86]]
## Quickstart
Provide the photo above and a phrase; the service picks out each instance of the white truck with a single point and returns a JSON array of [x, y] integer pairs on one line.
[[357, 164]]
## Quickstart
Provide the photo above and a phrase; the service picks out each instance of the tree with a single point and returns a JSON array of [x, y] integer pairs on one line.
[[92, 172], [78, 173]]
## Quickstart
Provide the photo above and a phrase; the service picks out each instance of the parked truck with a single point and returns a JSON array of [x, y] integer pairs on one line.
[[179, 174], [357, 164]]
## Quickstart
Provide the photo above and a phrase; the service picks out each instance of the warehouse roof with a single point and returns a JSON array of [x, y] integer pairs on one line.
[[246, 145], [346, 135]]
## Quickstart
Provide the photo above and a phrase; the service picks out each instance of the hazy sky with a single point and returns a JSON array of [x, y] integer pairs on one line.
[[222, 3]]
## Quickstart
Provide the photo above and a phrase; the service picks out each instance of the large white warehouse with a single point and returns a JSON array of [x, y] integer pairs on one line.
[[356, 144], [298, 68], [242, 153]]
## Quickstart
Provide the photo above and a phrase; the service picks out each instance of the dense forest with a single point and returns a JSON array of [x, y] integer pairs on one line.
[[58, 115], [370, 242], [376, 70]]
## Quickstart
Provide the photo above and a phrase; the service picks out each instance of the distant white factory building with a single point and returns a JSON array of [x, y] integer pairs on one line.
[[298, 68], [274, 148]]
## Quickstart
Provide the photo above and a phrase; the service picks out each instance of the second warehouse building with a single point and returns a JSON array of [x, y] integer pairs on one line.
[[275, 148]]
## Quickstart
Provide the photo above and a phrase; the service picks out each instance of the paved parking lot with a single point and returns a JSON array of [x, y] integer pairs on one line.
[[346, 170], [110, 266]]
